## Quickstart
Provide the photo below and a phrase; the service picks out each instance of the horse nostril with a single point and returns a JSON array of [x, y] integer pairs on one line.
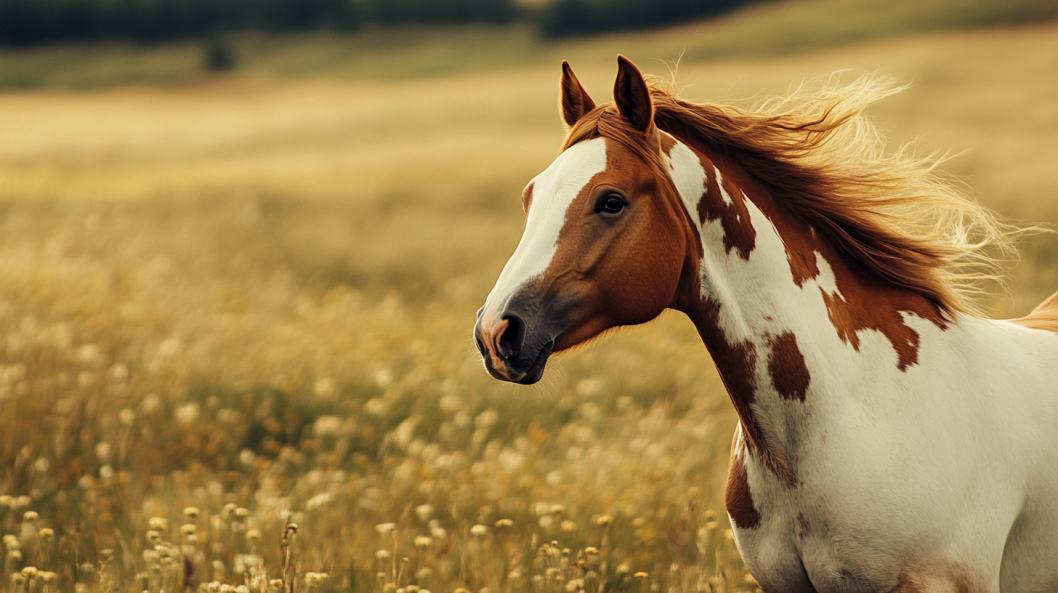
[[510, 342]]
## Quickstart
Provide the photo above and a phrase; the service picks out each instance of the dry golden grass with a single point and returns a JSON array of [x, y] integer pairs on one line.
[[254, 298]]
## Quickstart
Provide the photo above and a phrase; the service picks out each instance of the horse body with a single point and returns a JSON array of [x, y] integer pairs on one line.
[[886, 440], [884, 478]]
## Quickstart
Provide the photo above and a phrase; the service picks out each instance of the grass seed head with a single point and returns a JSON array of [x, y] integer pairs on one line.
[[424, 511]]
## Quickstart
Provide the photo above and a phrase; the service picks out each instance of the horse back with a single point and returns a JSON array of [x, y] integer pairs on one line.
[[1044, 316]]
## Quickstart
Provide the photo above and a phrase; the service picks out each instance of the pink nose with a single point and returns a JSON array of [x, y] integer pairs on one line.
[[490, 331]]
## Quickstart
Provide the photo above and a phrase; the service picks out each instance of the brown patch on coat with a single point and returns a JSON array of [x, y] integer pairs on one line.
[[802, 527], [858, 308], [1044, 316], [737, 496], [864, 300], [803, 265], [739, 233], [786, 365], [737, 364]]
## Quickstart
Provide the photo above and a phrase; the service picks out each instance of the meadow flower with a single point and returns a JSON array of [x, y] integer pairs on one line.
[[385, 528], [424, 511]]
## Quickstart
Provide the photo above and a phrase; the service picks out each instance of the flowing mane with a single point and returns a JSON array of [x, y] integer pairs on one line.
[[896, 214]]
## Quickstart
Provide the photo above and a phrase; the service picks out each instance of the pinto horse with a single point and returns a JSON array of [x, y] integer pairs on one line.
[[890, 438]]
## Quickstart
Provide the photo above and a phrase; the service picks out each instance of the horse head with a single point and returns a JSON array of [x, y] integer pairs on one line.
[[606, 239]]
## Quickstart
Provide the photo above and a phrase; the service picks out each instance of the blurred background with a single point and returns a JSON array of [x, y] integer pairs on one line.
[[242, 243]]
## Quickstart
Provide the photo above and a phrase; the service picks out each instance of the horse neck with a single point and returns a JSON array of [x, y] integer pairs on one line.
[[777, 306]]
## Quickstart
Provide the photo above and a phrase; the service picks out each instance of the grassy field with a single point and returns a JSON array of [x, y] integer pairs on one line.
[[226, 303]]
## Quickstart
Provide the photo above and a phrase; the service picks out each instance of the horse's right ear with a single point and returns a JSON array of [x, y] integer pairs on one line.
[[575, 100]]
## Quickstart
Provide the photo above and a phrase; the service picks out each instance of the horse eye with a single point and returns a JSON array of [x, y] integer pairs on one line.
[[610, 204]]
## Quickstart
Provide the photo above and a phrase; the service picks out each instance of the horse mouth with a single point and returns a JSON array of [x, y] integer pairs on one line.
[[536, 370], [522, 374]]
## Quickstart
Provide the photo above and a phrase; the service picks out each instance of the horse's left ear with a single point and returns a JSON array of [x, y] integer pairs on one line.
[[574, 100], [632, 96]]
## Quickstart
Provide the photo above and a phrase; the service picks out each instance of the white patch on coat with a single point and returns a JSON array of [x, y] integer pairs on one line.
[[553, 191], [826, 279], [723, 192], [688, 175]]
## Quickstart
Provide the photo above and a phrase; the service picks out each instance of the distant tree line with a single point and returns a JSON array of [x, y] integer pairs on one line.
[[568, 18], [34, 22]]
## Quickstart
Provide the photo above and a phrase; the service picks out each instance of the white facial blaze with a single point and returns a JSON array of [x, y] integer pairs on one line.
[[553, 191]]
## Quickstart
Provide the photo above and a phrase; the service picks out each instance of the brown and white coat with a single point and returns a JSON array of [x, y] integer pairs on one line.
[[887, 440]]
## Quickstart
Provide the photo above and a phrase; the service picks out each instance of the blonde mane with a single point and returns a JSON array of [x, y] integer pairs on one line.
[[896, 214]]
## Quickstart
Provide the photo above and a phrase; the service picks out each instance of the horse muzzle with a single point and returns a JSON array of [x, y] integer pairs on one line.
[[515, 340]]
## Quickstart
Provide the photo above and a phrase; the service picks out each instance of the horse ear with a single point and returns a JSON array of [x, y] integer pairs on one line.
[[632, 96], [575, 100]]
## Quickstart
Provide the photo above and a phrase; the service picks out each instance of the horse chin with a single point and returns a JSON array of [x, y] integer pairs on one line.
[[536, 370]]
